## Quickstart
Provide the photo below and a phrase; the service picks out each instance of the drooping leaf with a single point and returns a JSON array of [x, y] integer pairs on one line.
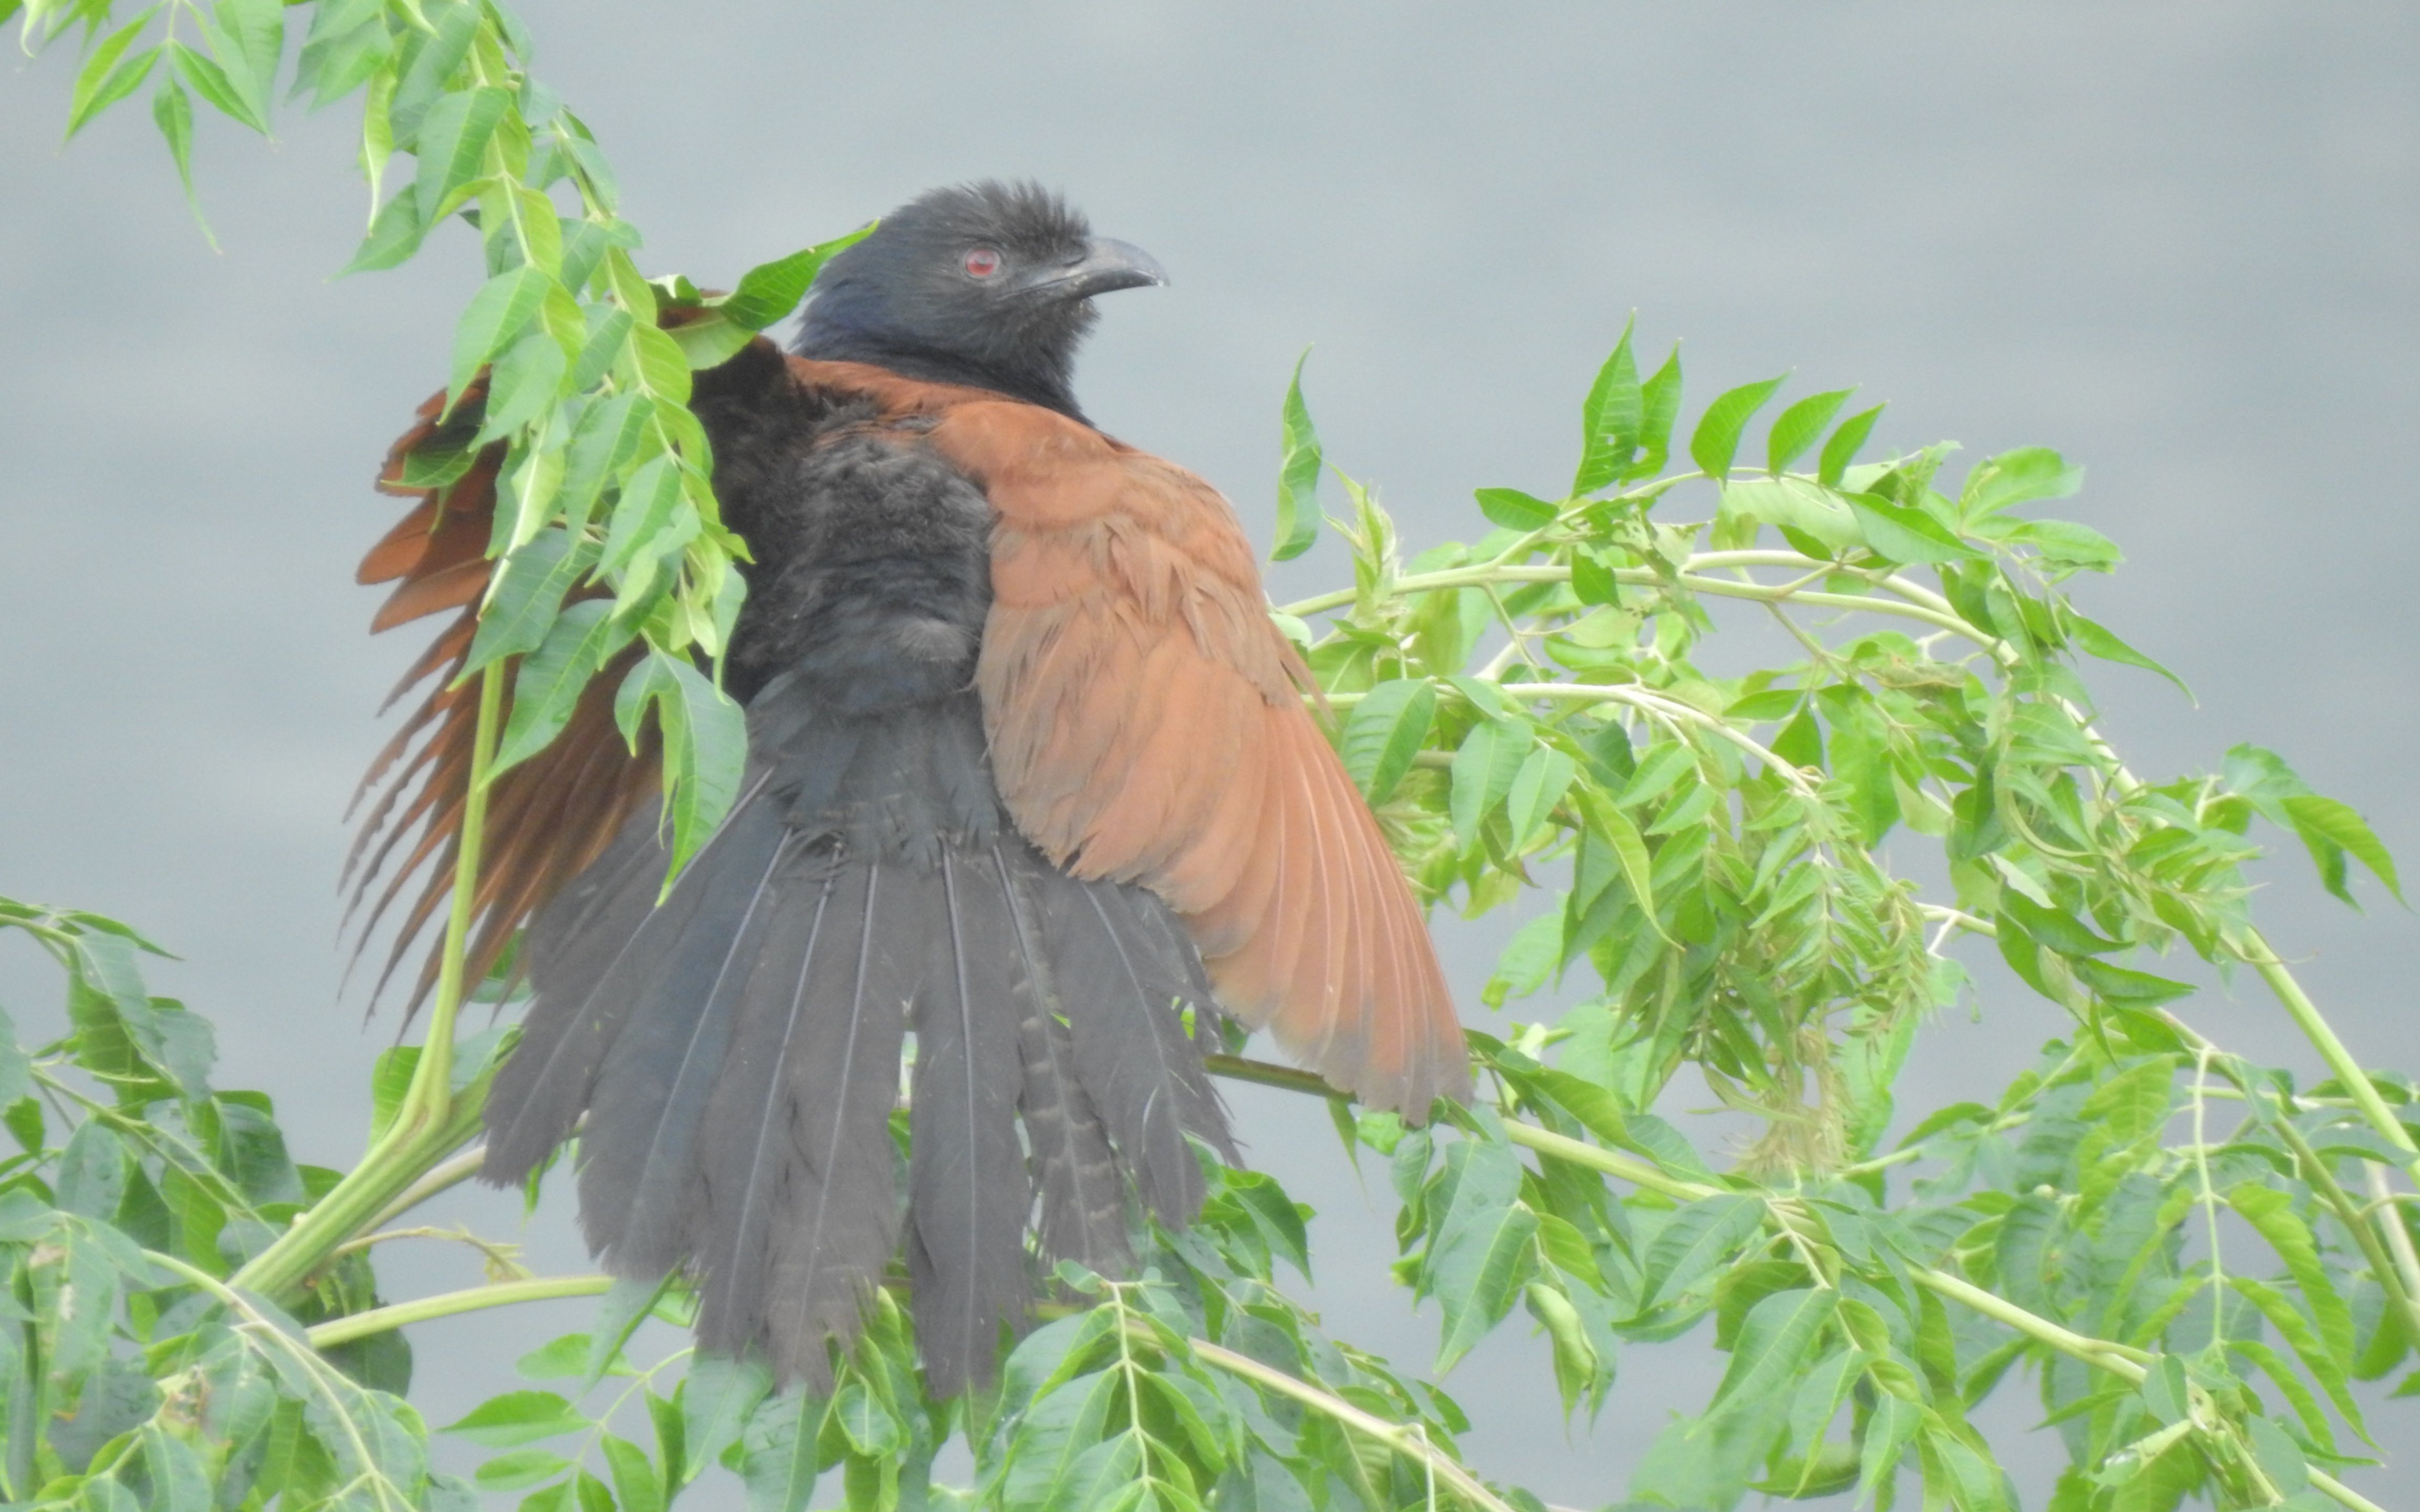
[[1477, 1264], [1385, 731]]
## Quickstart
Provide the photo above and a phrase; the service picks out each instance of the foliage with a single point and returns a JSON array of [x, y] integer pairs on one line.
[[2192, 1258]]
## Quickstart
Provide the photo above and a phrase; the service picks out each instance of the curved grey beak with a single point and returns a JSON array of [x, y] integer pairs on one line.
[[1108, 265]]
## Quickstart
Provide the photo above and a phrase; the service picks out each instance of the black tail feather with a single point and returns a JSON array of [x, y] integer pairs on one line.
[[1082, 1208], [1120, 967], [639, 1200], [735, 1050], [970, 1191]]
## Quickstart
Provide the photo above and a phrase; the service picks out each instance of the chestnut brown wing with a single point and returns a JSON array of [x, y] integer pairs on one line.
[[1147, 725]]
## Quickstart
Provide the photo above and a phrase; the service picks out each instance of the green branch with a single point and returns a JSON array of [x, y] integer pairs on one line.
[[446, 1304], [2256, 952], [433, 1122], [1936, 612], [1408, 1441]]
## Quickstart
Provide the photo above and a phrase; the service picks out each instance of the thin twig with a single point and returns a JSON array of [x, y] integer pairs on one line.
[[1405, 1442]]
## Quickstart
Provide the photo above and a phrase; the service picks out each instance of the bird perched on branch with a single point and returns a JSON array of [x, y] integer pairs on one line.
[[1030, 779]]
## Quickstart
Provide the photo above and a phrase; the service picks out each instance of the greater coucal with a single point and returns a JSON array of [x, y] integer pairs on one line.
[[1030, 778]]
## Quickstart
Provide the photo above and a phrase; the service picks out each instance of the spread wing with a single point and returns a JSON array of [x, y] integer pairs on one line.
[[552, 815], [1147, 725], [547, 818]]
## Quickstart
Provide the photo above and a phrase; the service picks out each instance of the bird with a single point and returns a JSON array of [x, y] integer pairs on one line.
[[1033, 782]]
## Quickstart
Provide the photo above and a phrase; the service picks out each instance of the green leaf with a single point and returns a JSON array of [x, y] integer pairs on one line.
[[518, 1417], [1515, 510], [248, 36], [495, 317], [521, 1469], [2061, 932], [210, 81], [706, 745], [1978, 1482], [869, 1425], [108, 75], [1816, 1401], [2097, 639], [1795, 503], [2017, 477], [1905, 533], [2327, 825], [91, 1175], [1695, 1240], [604, 441], [1274, 1214], [172, 111], [1842, 448], [1655, 776], [626, 1305], [348, 44], [1774, 1341], [2271, 1214], [524, 384], [1715, 441], [2064, 544], [2314, 1352], [561, 1359], [1888, 1430], [716, 1401], [1298, 468], [394, 236], [771, 290], [548, 684], [432, 69], [1578, 1367], [779, 1452], [1610, 420], [453, 148], [711, 340], [1385, 730], [1544, 776], [1795, 428], [638, 1487], [1660, 405], [645, 510], [1609, 825], [1477, 1263], [2133, 989], [2279, 1457], [1484, 770]]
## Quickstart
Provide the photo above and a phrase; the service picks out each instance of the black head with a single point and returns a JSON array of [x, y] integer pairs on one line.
[[988, 284]]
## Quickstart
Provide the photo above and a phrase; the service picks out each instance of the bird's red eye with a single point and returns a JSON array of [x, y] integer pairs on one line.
[[982, 262]]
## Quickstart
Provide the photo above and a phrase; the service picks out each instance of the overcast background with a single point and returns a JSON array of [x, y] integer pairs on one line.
[[2175, 241]]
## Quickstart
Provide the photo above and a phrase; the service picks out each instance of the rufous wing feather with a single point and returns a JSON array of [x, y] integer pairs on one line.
[[1147, 725], [549, 817]]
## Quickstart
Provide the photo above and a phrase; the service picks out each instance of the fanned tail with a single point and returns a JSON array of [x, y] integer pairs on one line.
[[736, 1051]]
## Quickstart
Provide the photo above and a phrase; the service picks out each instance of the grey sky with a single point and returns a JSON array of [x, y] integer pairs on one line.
[[2175, 241]]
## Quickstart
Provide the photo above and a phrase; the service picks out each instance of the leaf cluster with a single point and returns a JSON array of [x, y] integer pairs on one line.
[[132, 1375]]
